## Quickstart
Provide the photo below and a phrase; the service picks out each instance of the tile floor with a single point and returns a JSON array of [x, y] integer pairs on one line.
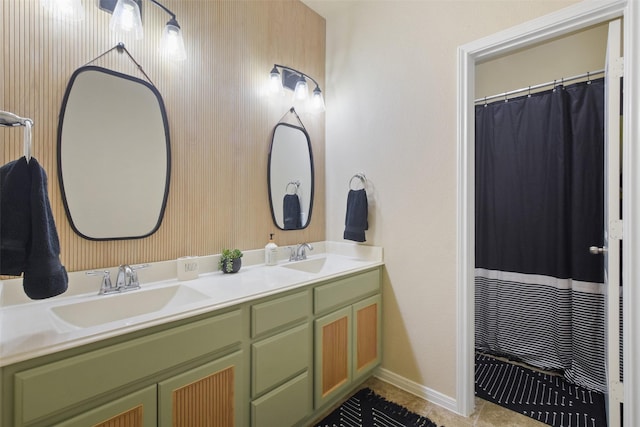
[[486, 414]]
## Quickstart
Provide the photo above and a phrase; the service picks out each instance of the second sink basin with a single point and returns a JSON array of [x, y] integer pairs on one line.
[[109, 308], [314, 265]]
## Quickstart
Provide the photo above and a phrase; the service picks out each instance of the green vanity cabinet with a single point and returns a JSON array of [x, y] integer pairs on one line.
[[281, 360], [57, 391], [348, 338]]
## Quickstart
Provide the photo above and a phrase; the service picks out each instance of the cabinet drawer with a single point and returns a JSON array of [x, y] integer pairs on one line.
[[271, 315], [284, 406], [280, 357], [56, 386], [136, 409], [345, 291]]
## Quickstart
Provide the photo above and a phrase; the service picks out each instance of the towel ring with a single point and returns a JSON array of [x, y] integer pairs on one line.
[[361, 177], [296, 185]]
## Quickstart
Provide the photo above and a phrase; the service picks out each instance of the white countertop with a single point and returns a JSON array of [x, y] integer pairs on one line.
[[30, 329]]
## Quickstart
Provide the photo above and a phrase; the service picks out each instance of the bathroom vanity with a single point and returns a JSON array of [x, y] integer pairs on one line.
[[268, 346]]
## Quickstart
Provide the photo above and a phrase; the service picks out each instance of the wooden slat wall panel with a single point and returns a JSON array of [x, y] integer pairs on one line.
[[220, 116]]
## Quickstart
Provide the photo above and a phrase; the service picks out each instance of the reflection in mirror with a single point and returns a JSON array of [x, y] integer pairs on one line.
[[290, 176], [113, 155]]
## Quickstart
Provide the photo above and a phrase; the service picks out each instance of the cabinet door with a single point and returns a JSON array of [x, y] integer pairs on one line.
[[134, 410], [333, 355], [210, 395], [367, 348]]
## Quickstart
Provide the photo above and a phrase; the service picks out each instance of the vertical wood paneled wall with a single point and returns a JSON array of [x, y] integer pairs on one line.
[[220, 115]]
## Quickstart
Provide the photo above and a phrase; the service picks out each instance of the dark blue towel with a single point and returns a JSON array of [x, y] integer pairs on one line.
[[356, 221], [291, 212], [28, 237]]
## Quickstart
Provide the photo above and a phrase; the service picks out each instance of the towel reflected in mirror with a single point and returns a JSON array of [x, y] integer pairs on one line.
[[291, 212]]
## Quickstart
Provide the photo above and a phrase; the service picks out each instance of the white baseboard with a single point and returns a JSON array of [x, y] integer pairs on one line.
[[419, 390]]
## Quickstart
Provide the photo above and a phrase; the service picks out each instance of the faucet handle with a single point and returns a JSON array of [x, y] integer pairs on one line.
[[106, 285], [134, 276]]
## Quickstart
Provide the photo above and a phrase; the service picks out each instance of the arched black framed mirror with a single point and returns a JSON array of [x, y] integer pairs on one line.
[[290, 177], [114, 155]]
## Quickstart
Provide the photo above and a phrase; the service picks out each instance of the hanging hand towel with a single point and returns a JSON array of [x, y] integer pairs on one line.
[[28, 237], [356, 219], [291, 212]]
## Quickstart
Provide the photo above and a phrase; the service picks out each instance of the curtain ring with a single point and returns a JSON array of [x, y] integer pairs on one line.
[[529, 95], [588, 78]]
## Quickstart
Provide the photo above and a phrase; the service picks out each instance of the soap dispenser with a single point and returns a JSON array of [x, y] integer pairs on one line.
[[271, 252]]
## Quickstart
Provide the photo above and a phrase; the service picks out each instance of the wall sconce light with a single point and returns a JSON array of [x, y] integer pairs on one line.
[[66, 10], [127, 19], [297, 82]]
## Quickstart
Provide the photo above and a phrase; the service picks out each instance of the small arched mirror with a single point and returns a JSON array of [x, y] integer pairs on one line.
[[290, 177], [114, 155]]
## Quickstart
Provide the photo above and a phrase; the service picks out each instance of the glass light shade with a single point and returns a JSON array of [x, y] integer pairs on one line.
[[317, 101], [126, 19], [301, 91], [171, 43], [275, 81], [66, 10]]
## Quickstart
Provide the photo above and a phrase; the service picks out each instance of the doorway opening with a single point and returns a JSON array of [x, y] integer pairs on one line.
[[533, 33]]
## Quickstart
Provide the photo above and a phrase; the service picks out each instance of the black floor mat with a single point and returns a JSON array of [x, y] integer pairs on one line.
[[367, 409], [547, 398]]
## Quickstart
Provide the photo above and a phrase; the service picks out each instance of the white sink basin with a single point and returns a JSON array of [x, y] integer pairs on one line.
[[314, 265], [109, 308]]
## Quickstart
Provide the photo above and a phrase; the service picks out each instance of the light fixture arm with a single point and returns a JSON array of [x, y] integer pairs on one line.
[[295, 71], [163, 7]]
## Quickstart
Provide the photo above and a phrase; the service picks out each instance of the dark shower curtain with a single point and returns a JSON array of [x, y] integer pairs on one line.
[[539, 207]]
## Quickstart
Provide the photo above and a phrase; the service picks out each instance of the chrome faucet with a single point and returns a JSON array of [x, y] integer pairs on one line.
[[127, 279], [300, 252]]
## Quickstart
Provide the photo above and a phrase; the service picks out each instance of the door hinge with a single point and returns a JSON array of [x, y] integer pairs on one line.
[[617, 68], [615, 229], [616, 390]]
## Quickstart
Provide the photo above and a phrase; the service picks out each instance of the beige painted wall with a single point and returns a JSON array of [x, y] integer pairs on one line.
[[391, 113], [220, 114], [568, 56]]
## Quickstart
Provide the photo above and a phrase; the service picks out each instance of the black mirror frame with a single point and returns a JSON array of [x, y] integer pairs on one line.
[[165, 121], [313, 176]]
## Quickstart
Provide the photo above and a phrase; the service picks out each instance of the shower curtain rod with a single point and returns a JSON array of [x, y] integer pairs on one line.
[[538, 86]]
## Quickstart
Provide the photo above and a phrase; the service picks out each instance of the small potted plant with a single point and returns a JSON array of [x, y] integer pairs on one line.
[[230, 261]]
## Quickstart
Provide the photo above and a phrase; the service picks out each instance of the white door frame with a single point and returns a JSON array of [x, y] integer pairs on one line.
[[573, 18]]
